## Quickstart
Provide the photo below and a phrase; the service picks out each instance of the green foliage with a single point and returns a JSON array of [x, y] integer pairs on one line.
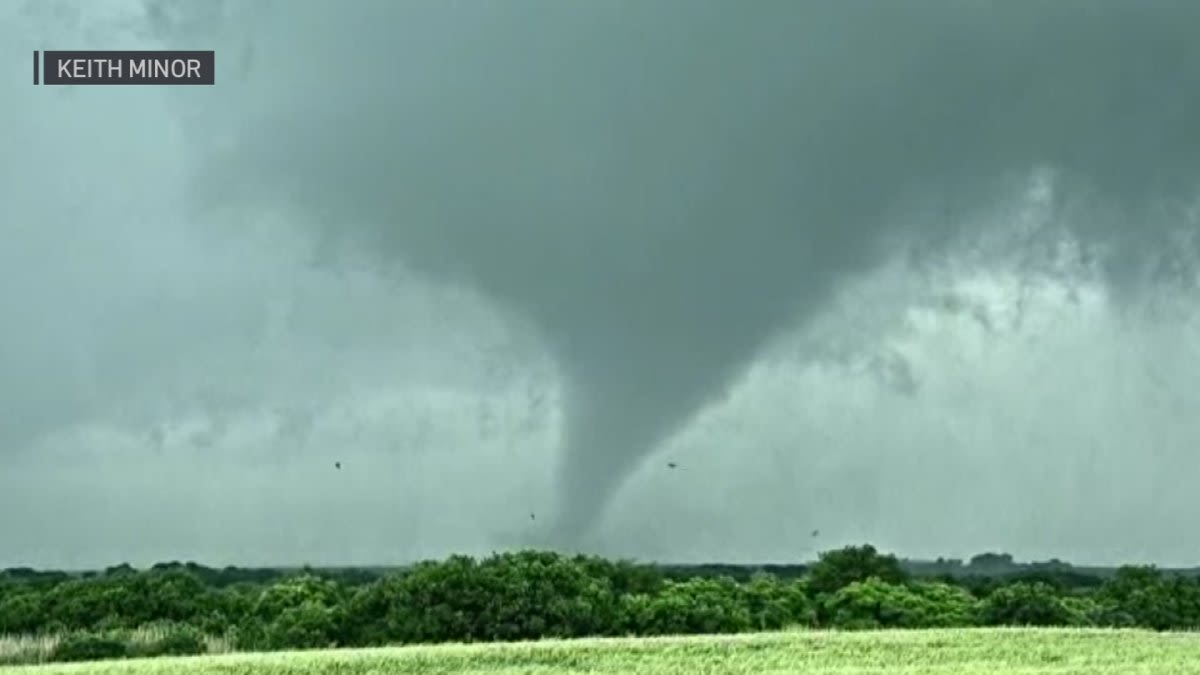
[[303, 611], [875, 603], [22, 610], [626, 577], [773, 603], [175, 609], [692, 606], [510, 596], [125, 599], [175, 640], [1141, 596], [835, 570], [89, 647], [1027, 604], [308, 625], [1086, 608]]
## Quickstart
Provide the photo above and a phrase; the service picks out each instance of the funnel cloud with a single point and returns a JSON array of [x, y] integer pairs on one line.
[[663, 187], [672, 215]]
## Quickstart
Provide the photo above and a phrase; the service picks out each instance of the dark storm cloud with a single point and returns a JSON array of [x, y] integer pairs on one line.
[[799, 249], [159, 376], [663, 186]]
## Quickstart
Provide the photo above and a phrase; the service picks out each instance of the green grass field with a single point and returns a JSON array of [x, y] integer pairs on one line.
[[957, 652]]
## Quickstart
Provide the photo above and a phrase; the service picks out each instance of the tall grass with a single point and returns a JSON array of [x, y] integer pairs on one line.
[[18, 649], [36, 649]]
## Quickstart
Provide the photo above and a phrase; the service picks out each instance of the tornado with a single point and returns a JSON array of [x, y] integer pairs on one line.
[[660, 188]]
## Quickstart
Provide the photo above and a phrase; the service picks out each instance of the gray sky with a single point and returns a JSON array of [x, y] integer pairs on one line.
[[921, 274]]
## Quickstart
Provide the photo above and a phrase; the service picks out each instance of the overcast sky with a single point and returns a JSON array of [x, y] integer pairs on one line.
[[922, 274]]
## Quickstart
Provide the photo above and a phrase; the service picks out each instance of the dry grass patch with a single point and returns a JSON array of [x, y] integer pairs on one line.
[[37, 649]]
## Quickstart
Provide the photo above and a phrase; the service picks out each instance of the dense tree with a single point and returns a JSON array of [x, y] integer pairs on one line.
[[835, 570], [875, 603], [1027, 604], [533, 594], [1143, 596]]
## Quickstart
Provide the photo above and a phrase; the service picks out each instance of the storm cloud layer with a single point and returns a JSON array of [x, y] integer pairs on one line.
[[662, 187], [659, 199]]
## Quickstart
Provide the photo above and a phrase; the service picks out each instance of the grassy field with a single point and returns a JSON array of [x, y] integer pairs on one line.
[[965, 652]]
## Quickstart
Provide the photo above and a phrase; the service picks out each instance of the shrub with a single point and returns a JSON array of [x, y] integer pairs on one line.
[[89, 647], [946, 605], [877, 604], [1026, 604], [175, 641], [835, 570], [1141, 596], [21, 611], [308, 626], [773, 604], [689, 607], [512, 596]]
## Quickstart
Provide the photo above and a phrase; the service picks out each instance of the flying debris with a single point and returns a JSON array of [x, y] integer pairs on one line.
[[531, 517], [337, 465], [671, 465], [816, 532]]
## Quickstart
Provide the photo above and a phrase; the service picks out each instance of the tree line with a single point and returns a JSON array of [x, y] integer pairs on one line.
[[535, 594]]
